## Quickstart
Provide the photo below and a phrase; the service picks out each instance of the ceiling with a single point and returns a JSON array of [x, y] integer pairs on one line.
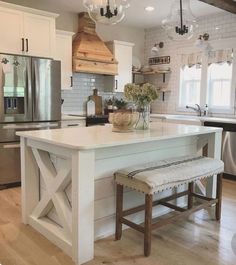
[[146, 19], [136, 16]]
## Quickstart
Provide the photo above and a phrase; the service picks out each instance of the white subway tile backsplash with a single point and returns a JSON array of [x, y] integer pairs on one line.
[[219, 26], [83, 84]]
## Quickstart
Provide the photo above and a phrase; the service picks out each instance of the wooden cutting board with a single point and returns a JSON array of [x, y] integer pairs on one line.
[[98, 102]]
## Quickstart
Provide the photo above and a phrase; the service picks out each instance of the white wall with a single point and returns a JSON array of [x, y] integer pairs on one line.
[[226, 23], [123, 33]]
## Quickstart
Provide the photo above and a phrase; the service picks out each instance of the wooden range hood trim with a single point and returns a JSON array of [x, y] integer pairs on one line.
[[93, 59], [92, 67], [90, 53], [227, 5]]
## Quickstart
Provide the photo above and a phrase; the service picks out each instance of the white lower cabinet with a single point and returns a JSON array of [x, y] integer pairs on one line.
[[64, 54]]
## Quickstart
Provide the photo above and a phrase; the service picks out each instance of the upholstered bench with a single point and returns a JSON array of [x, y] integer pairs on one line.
[[162, 175]]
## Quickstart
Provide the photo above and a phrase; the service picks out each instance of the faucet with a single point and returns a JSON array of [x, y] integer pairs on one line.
[[197, 109]]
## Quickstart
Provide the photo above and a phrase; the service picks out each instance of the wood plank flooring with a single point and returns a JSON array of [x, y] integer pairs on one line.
[[198, 240]]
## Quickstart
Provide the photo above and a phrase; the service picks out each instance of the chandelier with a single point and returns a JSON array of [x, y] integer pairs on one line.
[[180, 23], [108, 12]]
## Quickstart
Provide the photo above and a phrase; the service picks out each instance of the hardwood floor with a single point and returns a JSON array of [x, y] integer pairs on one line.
[[199, 240]]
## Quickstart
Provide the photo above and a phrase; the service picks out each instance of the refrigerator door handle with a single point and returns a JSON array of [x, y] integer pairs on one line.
[[28, 93], [36, 86]]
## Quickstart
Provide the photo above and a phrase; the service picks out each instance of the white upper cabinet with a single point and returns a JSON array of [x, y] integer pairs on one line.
[[123, 52], [11, 31], [27, 31], [39, 33], [64, 54]]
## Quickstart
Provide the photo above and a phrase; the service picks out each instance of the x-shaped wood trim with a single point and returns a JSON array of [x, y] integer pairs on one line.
[[55, 183]]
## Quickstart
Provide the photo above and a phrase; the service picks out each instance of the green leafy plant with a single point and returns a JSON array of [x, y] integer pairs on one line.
[[140, 94], [120, 103]]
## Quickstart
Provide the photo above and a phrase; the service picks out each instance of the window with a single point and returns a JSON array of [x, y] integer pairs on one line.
[[219, 85], [190, 83], [208, 78]]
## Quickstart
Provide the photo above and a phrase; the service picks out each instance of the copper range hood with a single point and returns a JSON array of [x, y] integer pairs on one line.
[[90, 53]]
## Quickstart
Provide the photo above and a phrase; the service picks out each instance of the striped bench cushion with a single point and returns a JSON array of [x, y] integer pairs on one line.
[[169, 173]]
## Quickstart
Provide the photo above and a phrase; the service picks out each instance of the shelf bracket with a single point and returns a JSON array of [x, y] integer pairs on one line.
[[163, 96], [164, 77]]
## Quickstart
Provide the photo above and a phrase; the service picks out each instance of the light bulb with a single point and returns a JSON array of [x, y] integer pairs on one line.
[[154, 49]]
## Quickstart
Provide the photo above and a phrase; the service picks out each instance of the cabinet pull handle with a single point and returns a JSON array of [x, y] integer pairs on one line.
[[71, 81], [27, 45], [116, 85], [73, 125], [22, 44]]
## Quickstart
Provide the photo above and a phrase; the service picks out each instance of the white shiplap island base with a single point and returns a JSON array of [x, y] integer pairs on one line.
[[67, 177]]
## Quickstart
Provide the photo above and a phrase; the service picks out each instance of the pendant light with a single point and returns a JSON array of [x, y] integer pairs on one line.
[[180, 23], [107, 12]]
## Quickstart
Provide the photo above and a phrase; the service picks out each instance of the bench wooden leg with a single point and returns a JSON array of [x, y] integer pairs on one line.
[[219, 197], [190, 197], [148, 224], [119, 210]]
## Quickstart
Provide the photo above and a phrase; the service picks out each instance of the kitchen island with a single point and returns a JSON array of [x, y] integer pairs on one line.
[[67, 177]]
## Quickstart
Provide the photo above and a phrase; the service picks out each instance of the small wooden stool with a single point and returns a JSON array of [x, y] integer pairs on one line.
[[160, 176]]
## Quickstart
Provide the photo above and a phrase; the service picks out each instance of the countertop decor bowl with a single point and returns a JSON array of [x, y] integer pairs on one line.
[[123, 120]]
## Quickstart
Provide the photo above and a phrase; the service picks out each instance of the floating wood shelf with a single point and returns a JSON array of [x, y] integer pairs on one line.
[[153, 73]]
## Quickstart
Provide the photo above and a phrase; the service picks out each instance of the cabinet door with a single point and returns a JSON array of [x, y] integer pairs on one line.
[[64, 54], [40, 35], [123, 54], [11, 31]]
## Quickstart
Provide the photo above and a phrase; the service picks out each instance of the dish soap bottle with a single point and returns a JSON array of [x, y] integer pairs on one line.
[[90, 107]]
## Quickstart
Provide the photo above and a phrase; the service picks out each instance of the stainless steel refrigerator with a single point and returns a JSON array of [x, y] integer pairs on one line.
[[30, 99]]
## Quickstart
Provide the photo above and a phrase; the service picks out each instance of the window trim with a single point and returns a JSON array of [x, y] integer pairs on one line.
[[229, 43]]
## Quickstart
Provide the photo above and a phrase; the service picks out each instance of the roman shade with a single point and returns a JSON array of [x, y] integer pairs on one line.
[[221, 56], [191, 59]]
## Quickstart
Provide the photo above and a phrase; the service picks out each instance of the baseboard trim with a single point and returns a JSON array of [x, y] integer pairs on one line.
[[10, 185], [229, 176]]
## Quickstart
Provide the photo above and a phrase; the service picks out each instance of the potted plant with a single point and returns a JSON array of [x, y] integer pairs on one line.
[[123, 118]]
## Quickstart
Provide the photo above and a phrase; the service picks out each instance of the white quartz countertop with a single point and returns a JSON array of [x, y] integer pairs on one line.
[[194, 118], [102, 136]]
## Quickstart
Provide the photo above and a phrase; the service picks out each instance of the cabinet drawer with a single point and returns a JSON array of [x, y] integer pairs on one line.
[[73, 123]]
